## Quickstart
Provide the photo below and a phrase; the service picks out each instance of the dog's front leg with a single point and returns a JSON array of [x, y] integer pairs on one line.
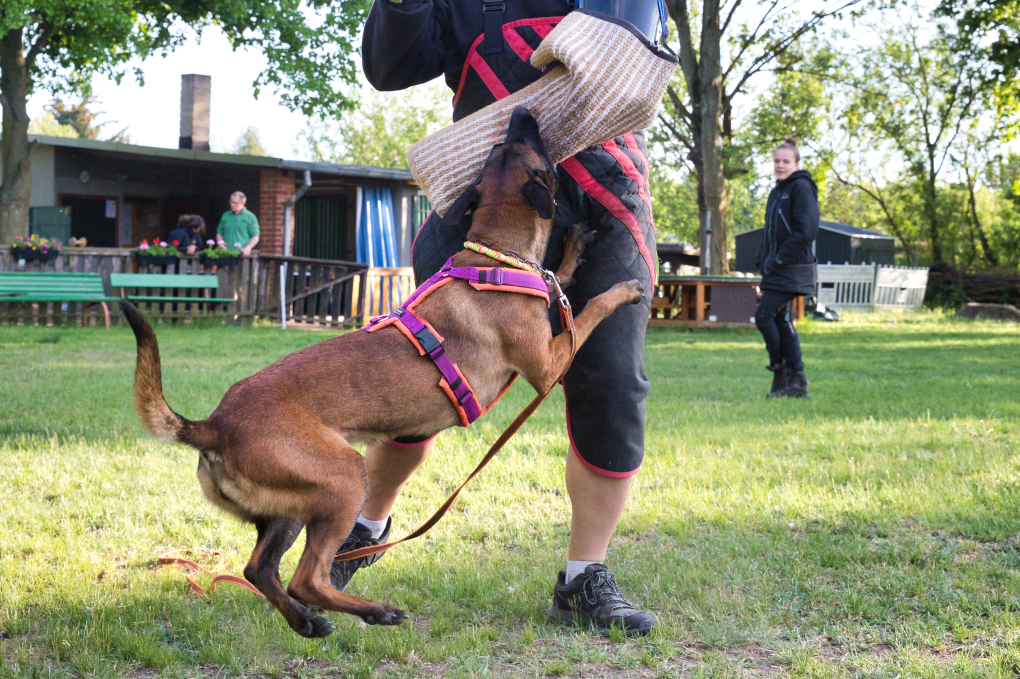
[[577, 239], [547, 362]]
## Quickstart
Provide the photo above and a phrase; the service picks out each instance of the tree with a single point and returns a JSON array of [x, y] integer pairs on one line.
[[59, 45], [700, 105], [83, 120], [249, 144], [993, 26], [380, 130], [914, 98]]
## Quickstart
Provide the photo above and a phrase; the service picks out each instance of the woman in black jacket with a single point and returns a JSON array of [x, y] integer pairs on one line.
[[787, 265]]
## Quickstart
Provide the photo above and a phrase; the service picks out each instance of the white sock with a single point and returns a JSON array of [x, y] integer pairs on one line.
[[575, 568], [377, 527]]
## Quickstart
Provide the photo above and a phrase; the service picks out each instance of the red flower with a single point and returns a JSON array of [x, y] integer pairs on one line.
[[176, 242]]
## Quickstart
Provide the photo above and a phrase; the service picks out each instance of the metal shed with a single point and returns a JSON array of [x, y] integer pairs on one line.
[[837, 243]]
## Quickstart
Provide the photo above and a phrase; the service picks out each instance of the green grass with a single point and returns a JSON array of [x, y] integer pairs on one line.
[[873, 530]]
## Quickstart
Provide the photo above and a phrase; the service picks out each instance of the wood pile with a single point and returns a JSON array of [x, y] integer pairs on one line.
[[986, 288]]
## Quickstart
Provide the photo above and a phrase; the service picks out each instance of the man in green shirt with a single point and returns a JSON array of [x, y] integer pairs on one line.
[[238, 228]]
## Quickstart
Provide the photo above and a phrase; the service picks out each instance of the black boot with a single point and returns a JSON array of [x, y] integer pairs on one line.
[[778, 381], [796, 384]]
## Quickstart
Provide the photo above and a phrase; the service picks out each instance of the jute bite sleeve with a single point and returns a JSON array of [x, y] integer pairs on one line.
[[606, 80]]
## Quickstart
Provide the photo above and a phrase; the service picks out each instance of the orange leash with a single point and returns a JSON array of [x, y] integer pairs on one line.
[[568, 317], [177, 558]]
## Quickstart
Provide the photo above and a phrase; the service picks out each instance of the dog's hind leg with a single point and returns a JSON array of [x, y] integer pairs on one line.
[[276, 535], [311, 580], [330, 510]]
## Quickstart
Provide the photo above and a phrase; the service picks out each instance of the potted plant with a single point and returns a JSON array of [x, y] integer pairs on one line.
[[157, 252], [217, 254], [35, 248]]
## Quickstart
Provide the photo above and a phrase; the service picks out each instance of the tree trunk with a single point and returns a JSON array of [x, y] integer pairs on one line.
[[14, 148], [931, 210], [988, 254], [711, 176]]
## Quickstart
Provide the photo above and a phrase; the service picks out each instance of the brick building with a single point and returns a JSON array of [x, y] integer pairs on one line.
[[116, 195], [119, 194]]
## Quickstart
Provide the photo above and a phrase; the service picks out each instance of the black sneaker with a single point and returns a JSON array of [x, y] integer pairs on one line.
[[594, 598], [341, 572]]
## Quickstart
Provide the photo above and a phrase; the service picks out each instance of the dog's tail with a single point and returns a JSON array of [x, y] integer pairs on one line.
[[152, 408]]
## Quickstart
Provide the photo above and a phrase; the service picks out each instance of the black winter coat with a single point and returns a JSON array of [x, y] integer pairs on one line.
[[785, 258]]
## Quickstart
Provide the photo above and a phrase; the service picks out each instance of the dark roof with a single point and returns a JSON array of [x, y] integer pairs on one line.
[[839, 227], [154, 152]]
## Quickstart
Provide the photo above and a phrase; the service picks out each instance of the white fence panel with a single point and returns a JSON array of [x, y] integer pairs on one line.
[[900, 286], [846, 286]]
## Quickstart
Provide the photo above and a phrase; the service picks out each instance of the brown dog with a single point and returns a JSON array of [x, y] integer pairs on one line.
[[277, 450]]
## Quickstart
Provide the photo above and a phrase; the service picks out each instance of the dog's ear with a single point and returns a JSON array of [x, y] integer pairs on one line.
[[540, 196], [464, 205]]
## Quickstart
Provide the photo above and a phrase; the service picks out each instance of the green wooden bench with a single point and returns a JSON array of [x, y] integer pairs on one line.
[[165, 295], [41, 287]]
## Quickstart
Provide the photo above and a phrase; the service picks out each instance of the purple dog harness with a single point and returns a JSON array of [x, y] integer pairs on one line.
[[430, 343]]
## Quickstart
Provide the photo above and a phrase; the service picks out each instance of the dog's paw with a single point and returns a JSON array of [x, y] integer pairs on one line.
[[314, 627], [577, 239], [386, 616], [630, 292]]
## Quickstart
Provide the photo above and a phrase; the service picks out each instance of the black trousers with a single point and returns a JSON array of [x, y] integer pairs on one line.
[[776, 326], [606, 385]]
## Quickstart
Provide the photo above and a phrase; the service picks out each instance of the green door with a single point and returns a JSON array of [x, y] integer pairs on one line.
[[320, 227]]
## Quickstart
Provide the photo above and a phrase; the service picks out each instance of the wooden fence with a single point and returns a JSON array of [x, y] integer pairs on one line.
[[317, 291], [387, 289]]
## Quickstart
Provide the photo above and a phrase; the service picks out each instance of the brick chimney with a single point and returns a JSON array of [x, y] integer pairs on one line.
[[196, 94]]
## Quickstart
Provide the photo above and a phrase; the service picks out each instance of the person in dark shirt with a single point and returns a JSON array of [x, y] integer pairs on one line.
[[188, 234], [484, 57], [788, 267]]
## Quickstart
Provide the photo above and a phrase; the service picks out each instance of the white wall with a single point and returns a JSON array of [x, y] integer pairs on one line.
[[44, 192]]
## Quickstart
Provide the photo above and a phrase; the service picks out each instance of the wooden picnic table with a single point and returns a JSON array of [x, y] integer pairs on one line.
[[708, 301]]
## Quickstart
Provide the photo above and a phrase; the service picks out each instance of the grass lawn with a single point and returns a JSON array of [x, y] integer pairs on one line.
[[873, 530]]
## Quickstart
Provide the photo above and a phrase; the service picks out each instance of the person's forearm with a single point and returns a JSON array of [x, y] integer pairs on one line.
[[246, 250]]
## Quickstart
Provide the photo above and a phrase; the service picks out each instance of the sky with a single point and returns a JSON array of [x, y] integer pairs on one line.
[[152, 112]]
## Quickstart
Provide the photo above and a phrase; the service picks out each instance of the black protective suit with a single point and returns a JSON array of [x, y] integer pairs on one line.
[[484, 58]]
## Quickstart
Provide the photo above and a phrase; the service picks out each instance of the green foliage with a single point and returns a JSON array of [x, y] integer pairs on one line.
[[870, 531], [309, 45], [948, 298], [380, 131], [47, 124], [993, 28], [80, 118], [796, 103], [674, 205], [249, 144]]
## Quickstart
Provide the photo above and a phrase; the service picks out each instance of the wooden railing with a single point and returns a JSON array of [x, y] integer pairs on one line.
[[319, 292], [316, 291], [387, 288]]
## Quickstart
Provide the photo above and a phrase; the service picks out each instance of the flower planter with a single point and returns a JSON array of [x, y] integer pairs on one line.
[[219, 261], [159, 260], [34, 255]]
